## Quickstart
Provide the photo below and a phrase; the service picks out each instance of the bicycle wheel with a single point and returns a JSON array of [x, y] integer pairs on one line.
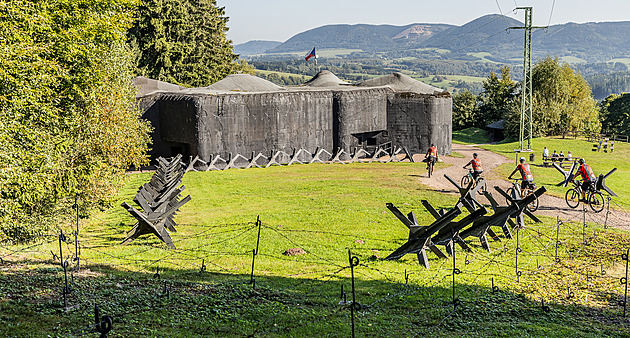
[[510, 192], [533, 206], [596, 201], [572, 197], [465, 181], [430, 169]]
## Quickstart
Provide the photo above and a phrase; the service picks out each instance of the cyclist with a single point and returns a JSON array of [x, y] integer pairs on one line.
[[588, 177], [476, 166], [526, 174], [432, 155]]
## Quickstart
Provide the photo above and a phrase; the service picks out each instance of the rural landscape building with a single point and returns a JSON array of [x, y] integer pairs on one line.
[[244, 114]]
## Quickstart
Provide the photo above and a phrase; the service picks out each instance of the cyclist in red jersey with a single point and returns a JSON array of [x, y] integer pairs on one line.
[[432, 155], [476, 166], [588, 177], [526, 175]]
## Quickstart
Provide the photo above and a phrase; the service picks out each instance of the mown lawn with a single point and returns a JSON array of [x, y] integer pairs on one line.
[[325, 210]]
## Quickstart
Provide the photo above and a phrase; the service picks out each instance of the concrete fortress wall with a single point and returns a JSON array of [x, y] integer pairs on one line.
[[204, 122], [357, 113], [419, 120], [261, 122]]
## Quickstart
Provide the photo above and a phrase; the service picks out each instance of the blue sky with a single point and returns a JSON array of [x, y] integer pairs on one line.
[[278, 20]]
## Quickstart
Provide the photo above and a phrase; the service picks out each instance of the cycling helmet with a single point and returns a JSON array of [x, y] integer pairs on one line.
[[474, 154], [581, 160], [522, 159]]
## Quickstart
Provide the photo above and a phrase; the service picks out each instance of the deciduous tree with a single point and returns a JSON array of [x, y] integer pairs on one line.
[[465, 110], [498, 98], [69, 126], [561, 101]]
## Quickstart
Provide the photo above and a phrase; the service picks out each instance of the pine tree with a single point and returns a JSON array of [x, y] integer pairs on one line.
[[184, 42]]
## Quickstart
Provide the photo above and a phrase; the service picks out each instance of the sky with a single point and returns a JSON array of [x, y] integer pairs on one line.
[[278, 20]]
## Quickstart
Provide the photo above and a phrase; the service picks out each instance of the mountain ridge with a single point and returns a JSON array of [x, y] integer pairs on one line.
[[591, 41]]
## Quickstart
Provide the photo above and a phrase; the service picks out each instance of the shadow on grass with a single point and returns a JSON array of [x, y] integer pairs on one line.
[[185, 303]]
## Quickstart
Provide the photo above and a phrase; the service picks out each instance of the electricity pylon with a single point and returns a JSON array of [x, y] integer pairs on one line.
[[526, 130]]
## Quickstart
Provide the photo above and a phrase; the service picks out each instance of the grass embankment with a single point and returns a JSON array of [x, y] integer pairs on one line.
[[325, 210], [470, 136]]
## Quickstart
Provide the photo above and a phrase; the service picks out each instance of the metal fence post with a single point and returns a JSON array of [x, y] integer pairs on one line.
[[354, 261], [76, 234], [624, 281], [254, 253]]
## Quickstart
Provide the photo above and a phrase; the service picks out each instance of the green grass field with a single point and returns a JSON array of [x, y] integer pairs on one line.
[[326, 210], [601, 163]]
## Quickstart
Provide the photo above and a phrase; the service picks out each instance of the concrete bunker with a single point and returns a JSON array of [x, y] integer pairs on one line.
[[244, 114]]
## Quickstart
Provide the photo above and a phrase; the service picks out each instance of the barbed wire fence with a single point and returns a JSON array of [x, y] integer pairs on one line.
[[549, 255]]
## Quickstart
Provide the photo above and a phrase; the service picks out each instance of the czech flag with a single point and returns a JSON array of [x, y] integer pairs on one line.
[[310, 55]]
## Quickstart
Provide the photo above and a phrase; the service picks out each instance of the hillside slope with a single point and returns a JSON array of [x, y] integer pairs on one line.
[[591, 42]]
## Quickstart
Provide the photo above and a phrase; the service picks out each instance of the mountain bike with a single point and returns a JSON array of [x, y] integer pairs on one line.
[[469, 178], [515, 191], [594, 198]]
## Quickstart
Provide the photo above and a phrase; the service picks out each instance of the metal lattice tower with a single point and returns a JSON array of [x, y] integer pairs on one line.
[[526, 130]]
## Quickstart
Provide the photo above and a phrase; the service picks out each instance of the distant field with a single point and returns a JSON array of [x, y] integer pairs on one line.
[[449, 80], [622, 60], [572, 59], [438, 50], [482, 56]]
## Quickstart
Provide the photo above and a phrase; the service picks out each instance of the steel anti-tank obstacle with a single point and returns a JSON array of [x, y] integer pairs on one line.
[[446, 231], [159, 200]]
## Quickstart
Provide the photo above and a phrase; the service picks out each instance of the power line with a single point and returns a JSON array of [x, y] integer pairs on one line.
[[550, 14]]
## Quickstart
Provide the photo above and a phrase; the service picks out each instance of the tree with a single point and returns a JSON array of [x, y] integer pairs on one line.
[[69, 125], [615, 114], [562, 101], [465, 110], [498, 98], [184, 42]]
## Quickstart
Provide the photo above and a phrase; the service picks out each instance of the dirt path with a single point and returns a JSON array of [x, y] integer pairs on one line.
[[549, 205]]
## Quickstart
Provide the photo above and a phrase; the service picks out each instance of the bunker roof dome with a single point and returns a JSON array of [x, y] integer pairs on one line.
[[325, 78], [244, 83], [401, 83], [146, 86]]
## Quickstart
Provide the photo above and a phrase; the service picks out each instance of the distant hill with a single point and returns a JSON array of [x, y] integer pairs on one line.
[[482, 34], [594, 41], [362, 36], [590, 42], [255, 47]]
